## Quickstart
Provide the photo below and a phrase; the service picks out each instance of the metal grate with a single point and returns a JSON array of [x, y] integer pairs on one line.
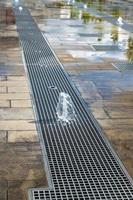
[[81, 163], [106, 47], [124, 66], [76, 25], [89, 34]]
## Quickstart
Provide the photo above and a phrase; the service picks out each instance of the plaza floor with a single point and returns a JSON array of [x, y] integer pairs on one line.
[[82, 42]]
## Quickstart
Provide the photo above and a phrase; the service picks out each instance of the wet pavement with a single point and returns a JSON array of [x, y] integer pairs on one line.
[[86, 45]]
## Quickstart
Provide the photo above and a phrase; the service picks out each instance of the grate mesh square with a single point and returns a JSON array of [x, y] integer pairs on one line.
[[124, 66]]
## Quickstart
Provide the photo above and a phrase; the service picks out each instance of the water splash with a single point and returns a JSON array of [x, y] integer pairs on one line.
[[85, 6], [20, 8], [65, 108], [120, 21]]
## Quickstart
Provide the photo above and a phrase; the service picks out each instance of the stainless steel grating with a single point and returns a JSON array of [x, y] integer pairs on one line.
[[76, 25], [89, 34], [106, 47], [82, 165], [124, 66]]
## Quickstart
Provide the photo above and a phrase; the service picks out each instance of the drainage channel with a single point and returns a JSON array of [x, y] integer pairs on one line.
[[81, 162]]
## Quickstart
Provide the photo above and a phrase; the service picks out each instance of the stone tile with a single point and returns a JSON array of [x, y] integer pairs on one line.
[[98, 110], [121, 97], [87, 88], [16, 113], [99, 113], [9, 45], [122, 142], [21, 103], [13, 83], [2, 78], [4, 104], [16, 78], [83, 67], [3, 136], [62, 55], [118, 103], [19, 189], [23, 136], [119, 134], [16, 96], [21, 161], [116, 123], [3, 89], [121, 113], [18, 89], [17, 125], [11, 69], [3, 190], [66, 59]]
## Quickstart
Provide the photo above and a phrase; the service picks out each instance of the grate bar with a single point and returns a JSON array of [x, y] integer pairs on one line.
[[81, 163]]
